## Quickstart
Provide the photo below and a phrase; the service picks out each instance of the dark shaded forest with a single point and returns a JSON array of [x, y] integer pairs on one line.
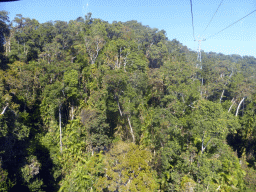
[[86, 105]]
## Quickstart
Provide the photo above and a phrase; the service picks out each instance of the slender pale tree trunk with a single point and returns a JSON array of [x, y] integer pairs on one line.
[[119, 108], [129, 122], [72, 111], [238, 107], [60, 128], [121, 114], [182, 97], [9, 46], [233, 102], [225, 85], [4, 109], [202, 87], [117, 62], [222, 95], [72, 59], [203, 145], [133, 137], [125, 61]]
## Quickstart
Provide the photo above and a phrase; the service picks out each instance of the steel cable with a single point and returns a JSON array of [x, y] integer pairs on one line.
[[213, 15], [192, 19], [231, 24]]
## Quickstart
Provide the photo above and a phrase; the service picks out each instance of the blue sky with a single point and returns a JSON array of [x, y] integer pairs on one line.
[[171, 15]]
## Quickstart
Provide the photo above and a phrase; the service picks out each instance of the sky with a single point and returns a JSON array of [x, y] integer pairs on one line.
[[173, 16]]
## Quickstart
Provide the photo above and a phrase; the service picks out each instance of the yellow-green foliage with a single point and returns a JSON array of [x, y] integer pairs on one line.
[[187, 184], [127, 169], [83, 175]]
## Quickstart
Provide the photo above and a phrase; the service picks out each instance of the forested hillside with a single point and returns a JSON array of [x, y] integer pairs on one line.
[[91, 106]]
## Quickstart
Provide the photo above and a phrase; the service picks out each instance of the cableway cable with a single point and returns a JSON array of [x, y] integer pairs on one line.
[[192, 19], [231, 24], [213, 15]]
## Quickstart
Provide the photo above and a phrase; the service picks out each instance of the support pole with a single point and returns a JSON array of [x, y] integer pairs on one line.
[[200, 60], [199, 50]]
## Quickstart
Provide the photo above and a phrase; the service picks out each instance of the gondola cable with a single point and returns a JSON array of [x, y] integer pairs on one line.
[[231, 25], [192, 19], [213, 16]]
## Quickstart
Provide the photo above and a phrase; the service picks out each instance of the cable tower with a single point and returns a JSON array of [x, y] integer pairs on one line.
[[199, 40], [199, 45], [199, 50]]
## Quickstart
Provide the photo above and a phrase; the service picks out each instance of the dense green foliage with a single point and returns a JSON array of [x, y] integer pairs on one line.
[[92, 106]]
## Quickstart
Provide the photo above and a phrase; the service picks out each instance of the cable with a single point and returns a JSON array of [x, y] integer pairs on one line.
[[231, 24], [192, 19], [213, 15]]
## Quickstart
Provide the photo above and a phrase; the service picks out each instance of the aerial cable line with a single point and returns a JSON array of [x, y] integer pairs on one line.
[[231, 24], [213, 15], [192, 19]]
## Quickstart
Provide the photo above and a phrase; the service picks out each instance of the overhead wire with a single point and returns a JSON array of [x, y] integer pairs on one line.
[[192, 19], [213, 15], [231, 25]]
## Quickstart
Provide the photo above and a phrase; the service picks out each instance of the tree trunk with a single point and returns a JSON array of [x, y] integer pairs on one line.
[[233, 102], [238, 107], [119, 108], [204, 146], [72, 112], [117, 61], [120, 56], [60, 128], [9, 45], [225, 85], [222, 95], [202, 87], [133, 138], [4, 109], [129, 122], [72, 59], [125, 61]]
